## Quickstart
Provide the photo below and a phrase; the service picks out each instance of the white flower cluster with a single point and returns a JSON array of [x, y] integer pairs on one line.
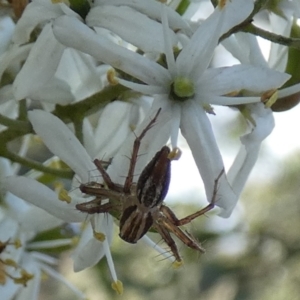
[[56, 57]]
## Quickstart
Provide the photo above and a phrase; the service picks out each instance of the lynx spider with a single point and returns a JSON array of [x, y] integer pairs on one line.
[[139, 206]]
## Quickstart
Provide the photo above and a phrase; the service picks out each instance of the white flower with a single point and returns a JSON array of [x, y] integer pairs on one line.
[[61, 141], [186, 89], [245, 48], [21, 267], [50, 74]]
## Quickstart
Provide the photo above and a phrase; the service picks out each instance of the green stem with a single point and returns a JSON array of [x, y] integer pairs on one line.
[[37, 166], [78, 123], [90, 105], [22, 110], [15, 124], [276, 38], [247, 26]]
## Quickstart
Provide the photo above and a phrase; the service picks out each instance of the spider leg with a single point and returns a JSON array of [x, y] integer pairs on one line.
[[95, 206], [110, 184], [136, 147], [184, 236], [99, 191], [179, 222], [165, 234]]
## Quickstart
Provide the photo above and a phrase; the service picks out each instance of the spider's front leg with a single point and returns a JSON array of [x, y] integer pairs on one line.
[[135, 151]]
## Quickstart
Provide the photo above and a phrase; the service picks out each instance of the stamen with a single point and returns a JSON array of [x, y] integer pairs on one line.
[[10, 262], [222, 3], [99, 236], [62, 193], [25, 277], [111, 77], [269, 98], [175, 154], [17, 243], [118, 287], [64, 196]]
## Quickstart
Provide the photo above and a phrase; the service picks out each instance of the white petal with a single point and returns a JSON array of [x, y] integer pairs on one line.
[[235, 12], [79, 72], [152, 9], [15, 55], [196, 129], [168, 45], [9, 290], [291, 90], [73, 33], [145, 89], [62, 142], [40, 65], [196, 55], [35, 13], [88, 252], [42, 220], [42, 197], [57, 276], [7, 27], [222, 81], [279, 53], [31, 291], [251, 142], [245, 48], [130, 25], [113, 128], [54, 91], [220, 100]]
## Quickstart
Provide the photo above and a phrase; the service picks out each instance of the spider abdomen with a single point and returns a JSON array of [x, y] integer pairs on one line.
[[134, 224]]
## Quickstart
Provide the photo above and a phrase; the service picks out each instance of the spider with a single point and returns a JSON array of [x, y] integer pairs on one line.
[[139, 206]]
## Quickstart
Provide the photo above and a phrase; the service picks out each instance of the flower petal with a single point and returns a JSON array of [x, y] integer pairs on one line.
[[90, 250], [73, 33], [225, 80], [62, 142], [152, 9], [40, 65], [235, 11], [35, 13], [130, 25], [196, 129], [251, 142], [195, 57], [42, 197]]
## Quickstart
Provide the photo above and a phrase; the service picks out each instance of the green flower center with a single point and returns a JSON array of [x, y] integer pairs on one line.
[[182, 89]]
